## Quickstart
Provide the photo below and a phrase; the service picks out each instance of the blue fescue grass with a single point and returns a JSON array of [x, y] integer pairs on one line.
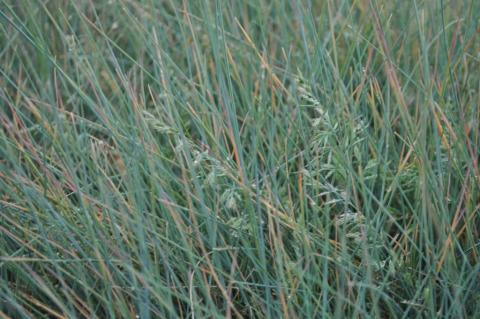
[[278, 159]]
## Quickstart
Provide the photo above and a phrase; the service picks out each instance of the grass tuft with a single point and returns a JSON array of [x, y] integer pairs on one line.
[[277, 159]]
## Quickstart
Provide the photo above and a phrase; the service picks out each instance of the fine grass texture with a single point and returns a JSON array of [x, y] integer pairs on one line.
[[224, 158]]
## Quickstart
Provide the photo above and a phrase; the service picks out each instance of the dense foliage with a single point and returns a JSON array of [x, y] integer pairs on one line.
[[224, 158]]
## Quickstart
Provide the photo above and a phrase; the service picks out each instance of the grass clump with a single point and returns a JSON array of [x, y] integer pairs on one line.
[[279, 159]]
